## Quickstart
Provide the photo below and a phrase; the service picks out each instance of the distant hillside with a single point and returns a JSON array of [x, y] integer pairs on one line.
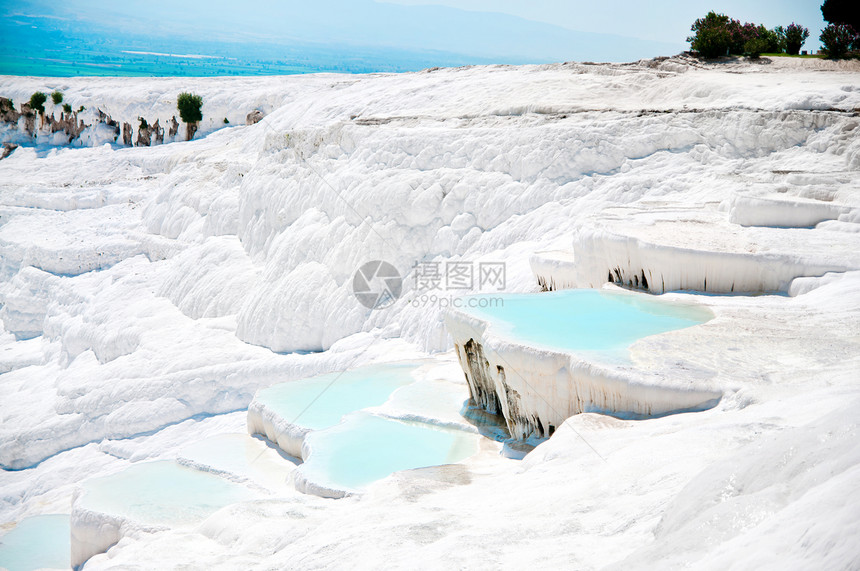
[[355, 36]]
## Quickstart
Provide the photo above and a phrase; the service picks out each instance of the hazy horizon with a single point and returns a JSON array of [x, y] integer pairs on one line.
[[101, 37], [658, 20], [158, 37]]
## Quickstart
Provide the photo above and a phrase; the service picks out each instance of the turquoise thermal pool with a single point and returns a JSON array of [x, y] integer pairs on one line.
[[161, 493], [322, 401], [365, 448], [241, 456], [37, 542], [582, 319], [351, 443]]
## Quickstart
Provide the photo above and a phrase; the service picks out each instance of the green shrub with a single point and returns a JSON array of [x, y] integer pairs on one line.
[[773, 39], [780, 37], [837, 40], [143, 123], [37, 101], [189, 106], [712, 37], [67, 108], [226, 122], [755, 47], [794, 37], [57, 97], [81, 108], [741, 34]]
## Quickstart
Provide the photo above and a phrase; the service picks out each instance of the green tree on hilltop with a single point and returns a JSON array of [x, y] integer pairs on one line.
[[712, 38], [837, 40], [794, 37]]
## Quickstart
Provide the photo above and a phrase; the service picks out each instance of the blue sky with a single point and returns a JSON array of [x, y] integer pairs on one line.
[[656, 20]]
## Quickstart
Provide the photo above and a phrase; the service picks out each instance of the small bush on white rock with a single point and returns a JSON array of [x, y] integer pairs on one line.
[[37, 102], [190, 112]]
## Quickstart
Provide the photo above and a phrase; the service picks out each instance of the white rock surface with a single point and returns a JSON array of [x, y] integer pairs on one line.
[[180, 275], [670, 249]]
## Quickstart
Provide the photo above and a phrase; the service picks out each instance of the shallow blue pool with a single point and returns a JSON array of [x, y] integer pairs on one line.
[[37, 542], [162, 493], [321, 402], [583, 319], [366, 448]]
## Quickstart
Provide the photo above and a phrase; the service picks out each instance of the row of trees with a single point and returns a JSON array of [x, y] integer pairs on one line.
[[189, 106], [718, 35]]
